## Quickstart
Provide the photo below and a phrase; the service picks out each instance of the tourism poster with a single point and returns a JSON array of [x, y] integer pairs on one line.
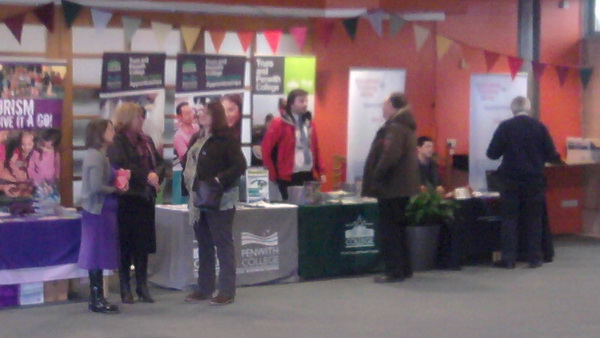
[[31, 105]]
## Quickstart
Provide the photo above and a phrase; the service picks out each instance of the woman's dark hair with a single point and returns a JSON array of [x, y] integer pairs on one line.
[[219, 125], [94, 133], [52, 135], [235, 99], [292, 97], [398, 100]]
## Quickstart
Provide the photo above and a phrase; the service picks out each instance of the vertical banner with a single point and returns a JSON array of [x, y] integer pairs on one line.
[[201, 79], [31, 105], [491, 95], [138, 78], [368, 89]]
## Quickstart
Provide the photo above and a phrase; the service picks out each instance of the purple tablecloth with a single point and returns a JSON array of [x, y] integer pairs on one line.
[[35, 242]]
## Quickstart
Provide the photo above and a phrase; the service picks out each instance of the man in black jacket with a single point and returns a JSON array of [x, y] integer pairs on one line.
[[525, 146]]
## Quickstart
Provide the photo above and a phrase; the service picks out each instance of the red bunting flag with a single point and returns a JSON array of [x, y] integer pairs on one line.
[[515, 64], [562, 72], [273, 38], [45, 14], [325, 31], [299, 34], [15, 25], [245, 39], [490, 59], [217, 38], [538, 70]]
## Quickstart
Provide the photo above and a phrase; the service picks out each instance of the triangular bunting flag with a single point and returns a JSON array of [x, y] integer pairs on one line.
[[443, 45], [515, 64], [130, 26], [161, 31], [217, 38], [490, 59], [421, 34], [246, 39], [190, 36], [15, 25], [396, 24], [70, 11], [351, 25], [100, 19], [45, 14], [376, 20], [538, 70], [299, 34], [325, 31], [586, 75], [562, 73], [463, 64], [273, 38]]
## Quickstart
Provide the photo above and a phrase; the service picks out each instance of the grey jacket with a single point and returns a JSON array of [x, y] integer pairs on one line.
[[392, 168], [95, 181]]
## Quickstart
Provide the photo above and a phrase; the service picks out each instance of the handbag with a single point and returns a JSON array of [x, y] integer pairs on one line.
[[207, 194]]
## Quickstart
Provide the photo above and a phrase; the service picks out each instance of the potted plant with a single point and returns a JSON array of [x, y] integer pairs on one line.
[[426, 213]]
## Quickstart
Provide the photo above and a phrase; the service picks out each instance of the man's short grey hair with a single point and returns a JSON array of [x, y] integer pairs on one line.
[[520, 104]]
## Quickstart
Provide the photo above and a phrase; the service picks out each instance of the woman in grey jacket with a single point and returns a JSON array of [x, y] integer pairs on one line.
[[99, 235]]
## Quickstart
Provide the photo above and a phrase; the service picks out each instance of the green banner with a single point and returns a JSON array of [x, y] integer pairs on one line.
[[300, 72]]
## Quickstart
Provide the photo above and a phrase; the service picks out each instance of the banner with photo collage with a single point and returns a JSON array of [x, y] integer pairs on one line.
[[137, 78], [201, 79], [31, 105], [274, 77]]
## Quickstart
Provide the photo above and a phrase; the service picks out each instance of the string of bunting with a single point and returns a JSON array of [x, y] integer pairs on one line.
[[324, 30]]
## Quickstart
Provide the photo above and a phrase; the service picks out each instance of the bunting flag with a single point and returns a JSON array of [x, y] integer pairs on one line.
[[515, 64], [190, 35], [299, 34], [45, 14], [15, 25], [130, 26], [217, 38], [538, 70], [161, 31], [443, 45], [325, 31], [490, 59], [273, 38], [351, 25], [463, 64], [70, 11], [245, 39], [100, 19], [421, 34], [562, 72], [376, 20], [585, 75], [396, 24]]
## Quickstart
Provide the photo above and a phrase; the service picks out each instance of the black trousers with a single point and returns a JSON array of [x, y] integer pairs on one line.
[[297, 179], [522, 210], [392, 236]]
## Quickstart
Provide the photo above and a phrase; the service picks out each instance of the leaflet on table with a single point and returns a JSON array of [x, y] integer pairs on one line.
[[257, 184]]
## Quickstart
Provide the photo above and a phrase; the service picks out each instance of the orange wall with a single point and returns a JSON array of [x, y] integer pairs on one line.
[[439, 90]]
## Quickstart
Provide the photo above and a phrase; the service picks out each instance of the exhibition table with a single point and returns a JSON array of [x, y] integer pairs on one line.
[[36, 249], [265, 240], [337, 240]]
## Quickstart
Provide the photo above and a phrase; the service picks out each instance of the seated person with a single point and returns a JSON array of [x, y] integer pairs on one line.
[[428, 168]]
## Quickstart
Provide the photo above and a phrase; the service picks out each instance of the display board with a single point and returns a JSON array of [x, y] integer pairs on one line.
[[31, 106], [491, 95], [368, 89], [138, 78], [201, 79]]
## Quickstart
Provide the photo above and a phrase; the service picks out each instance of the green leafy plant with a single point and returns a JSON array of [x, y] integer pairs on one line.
[[429, 207]]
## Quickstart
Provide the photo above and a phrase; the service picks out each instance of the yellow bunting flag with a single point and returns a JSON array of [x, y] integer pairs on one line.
[[443, 44], [190, 35]]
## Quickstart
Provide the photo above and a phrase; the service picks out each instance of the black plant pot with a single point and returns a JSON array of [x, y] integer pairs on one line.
[[423, 246]]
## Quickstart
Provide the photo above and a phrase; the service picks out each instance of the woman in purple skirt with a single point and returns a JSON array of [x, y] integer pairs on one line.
[[99, 234]]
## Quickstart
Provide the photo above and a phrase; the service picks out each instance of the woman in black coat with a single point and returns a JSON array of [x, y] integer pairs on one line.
[[214, 156], [134, 150]]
